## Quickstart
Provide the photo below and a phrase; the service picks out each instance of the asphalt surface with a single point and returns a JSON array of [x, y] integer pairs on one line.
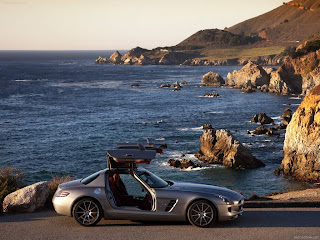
[[266, 223]]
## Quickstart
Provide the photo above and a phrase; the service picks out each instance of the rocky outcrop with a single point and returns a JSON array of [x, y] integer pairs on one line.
[[301, 146], [286, 116], [101, 60], [211, 95], [183, 164], [260, 130], [262, 118], [173, 58], [132, 56], [220, 146], [27, 199], [212, 79], [115, 58], [251, 73]]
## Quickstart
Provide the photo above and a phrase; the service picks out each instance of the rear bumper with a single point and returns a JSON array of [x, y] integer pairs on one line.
[[62, 205], [230, 212]]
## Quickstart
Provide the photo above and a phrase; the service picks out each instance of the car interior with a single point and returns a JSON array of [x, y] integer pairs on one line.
[[127, 191]]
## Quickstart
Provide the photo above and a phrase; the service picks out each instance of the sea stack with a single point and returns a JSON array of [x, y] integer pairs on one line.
[[302, 140], [221, 147]]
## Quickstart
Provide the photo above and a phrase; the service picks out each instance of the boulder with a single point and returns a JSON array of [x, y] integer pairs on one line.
[[286, 116], [166, 85], [183, 164], [211, 95], [272, 132], [220, 146], [212, 79], [101, 60], [278, 85], [301, 146], [206, 126], [27, 199], [260, 130], [175, 85], [115, 58], [262, 118], [250, 72]]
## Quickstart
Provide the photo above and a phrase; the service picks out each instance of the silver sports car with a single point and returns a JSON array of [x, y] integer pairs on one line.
[[124, 191]]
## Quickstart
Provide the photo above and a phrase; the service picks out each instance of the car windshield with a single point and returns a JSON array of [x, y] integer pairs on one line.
[[152, 180]]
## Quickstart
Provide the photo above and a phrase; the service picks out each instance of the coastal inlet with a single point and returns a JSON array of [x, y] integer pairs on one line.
[[60, 111]]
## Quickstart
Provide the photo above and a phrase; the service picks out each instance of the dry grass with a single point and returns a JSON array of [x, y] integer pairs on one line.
[[10, 181], [219, 54], [53, 185]]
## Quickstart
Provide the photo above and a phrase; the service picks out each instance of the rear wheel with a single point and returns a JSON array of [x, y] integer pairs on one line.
[[87, 212], [202, 213]]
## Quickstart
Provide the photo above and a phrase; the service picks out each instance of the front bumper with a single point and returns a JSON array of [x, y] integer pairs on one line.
[[232, 211]]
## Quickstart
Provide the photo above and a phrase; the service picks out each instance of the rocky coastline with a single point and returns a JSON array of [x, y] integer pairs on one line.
[[141, 56]]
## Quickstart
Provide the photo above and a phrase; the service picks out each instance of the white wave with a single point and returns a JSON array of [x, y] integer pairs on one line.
[[191, 129], [293, 104], [160, 139], [216, 112], [278, 117], [29, 80], [299, 98]]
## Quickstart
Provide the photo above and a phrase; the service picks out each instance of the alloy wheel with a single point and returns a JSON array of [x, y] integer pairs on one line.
[[87, 212], [201, 214]]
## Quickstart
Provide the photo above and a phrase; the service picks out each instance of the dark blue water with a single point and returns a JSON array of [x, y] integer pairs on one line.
[[60, 112]]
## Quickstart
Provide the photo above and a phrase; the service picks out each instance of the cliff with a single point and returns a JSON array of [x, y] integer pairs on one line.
[[302, 142]]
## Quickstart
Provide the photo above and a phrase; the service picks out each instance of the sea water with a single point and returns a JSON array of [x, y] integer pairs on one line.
[[60, 111]]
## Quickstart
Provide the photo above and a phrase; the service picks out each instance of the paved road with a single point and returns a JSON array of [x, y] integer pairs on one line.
[[267, 223]]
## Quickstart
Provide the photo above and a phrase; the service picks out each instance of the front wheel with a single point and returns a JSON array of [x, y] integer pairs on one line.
[[202, 213], [87, 212]]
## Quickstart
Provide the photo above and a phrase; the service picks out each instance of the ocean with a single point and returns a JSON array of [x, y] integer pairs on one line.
[[60, 112]]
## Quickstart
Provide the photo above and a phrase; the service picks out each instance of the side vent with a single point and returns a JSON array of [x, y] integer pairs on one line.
[[171, 205]]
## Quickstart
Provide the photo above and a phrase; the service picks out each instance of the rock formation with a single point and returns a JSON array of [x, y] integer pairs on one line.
[[286, 116], [220, 146], [27, 199], [183, 164], [115, 58], [302, 142], [101, 60], [262, 118], [251, 73], [212, 79]]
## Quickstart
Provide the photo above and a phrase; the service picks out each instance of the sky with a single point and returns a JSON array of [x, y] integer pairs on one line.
[[116, 24]]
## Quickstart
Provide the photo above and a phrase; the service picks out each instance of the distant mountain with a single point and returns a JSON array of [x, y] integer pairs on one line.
[[286, 25]]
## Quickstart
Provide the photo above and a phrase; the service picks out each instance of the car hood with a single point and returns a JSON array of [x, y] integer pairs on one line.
[[205, 188]]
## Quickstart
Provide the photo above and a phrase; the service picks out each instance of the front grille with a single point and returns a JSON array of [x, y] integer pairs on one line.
[[170, 205]]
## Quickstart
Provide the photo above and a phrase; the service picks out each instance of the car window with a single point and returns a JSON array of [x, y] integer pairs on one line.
[[132, 186], [152, 180], [90, 178]]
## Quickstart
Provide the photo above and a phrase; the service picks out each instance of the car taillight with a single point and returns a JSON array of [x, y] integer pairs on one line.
[[62, 194]]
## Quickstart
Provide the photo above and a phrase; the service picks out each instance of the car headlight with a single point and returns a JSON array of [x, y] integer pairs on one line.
[[226, 200], [62, 194]]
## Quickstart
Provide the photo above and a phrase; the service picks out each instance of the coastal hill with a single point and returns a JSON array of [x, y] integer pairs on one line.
[[286, 25], [263, 40]]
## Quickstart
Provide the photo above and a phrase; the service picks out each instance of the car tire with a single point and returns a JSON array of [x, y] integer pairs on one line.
[[202, 213], [87, 212]]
